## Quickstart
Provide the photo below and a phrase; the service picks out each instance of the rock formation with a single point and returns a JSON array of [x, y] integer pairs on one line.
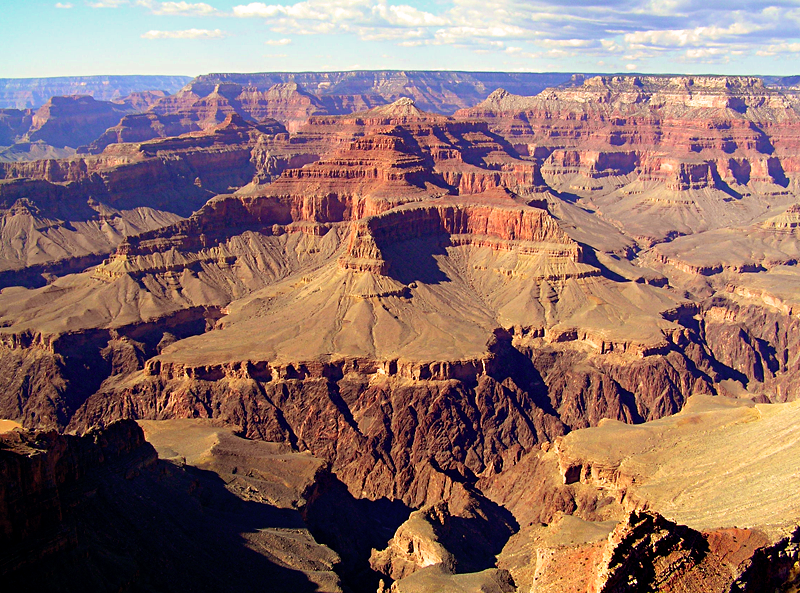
[[507, 335], [62, 215], [689, 521], [27, 93], [659, 156], [102, 511]]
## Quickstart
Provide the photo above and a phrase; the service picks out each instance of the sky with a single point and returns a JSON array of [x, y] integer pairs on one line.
[[99, 37]]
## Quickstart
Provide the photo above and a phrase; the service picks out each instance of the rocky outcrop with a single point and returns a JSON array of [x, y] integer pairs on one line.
[[460, 536], [13, 125], [102, 511], [503, 227], [40, 472], [73, 121], [649, 553], [758, 342]]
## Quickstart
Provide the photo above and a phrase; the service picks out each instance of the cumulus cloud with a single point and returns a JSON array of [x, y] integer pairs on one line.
[[779, 48], [620, 31], [62, 5], [284, 41], [179, 8], [186, 34], [341, 15]]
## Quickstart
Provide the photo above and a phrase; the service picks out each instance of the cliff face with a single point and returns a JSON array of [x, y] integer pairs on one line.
[[13, 125], [73, 121], [637, 145], [102, 511], [39, 469], [48, 222]]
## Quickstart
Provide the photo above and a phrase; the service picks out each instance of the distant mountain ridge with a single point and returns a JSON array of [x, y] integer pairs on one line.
[[431, 90], [24, 93], [468, 88]]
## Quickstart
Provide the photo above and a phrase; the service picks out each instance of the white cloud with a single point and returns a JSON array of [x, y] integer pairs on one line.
[[407, 16], [314, 10], [567, 43], [342, 13], [63, 5], [633, 31], [684, 37], [779, 48], [284, 41], [187, 34], [630, 66], [179, 8], [107, 3]]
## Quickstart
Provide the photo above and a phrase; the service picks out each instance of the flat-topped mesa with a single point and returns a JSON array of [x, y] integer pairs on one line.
[[485, 223], [467, 155], [73, 121]]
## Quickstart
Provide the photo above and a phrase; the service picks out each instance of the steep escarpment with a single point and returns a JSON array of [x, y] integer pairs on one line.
[[57, 128], [675, 150], [13, 124], [57, 212], [38, 467], [73, 121]]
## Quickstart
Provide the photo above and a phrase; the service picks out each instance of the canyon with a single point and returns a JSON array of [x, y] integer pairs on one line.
[[408, 340]]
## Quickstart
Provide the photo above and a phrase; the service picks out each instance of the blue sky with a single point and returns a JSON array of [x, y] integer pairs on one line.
[[89, 37]]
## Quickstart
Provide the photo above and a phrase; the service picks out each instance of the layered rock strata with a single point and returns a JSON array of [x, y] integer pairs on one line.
[[417, 309], [679, 148]]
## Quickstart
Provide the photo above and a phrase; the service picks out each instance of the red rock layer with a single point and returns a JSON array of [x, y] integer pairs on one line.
[[686, 132], [502, 226]]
